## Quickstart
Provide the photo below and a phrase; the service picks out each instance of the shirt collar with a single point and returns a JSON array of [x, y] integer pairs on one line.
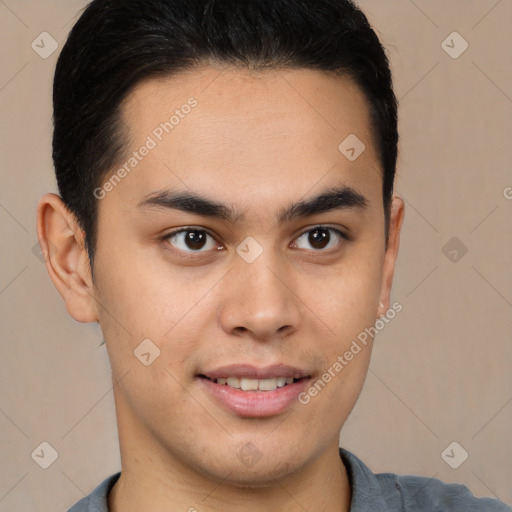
[[366, 491]]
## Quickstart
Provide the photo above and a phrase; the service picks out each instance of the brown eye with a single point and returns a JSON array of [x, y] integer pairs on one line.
[[191, 240], [320, 238], [195, 240]]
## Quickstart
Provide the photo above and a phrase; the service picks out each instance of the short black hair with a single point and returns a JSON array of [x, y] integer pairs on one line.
[[116, 44]]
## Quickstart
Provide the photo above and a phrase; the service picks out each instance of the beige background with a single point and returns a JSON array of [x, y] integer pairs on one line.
[[441, 371]]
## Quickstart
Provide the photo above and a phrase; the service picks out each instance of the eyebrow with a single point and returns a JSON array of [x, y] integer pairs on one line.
[[331, 199]]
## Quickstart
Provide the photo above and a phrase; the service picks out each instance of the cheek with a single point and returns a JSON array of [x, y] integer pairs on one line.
[[346, 303], [139, 301], [347, 300], [141, 294]]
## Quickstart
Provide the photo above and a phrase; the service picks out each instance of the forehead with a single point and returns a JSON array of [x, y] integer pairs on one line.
[[270, 130], [314, 101]]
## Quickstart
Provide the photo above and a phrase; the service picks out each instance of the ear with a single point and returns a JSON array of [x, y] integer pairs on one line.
[[67, 261], [395, 225]]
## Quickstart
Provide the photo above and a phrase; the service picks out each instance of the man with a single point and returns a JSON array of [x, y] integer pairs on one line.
[[226, 214]]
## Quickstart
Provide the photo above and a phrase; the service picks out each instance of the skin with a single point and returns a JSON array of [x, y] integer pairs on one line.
[[257, 142]]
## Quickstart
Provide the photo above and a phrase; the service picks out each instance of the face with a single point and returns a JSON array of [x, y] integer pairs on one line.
[[248, 251]]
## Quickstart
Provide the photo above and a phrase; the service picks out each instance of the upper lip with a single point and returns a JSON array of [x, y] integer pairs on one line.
[[249, 371]]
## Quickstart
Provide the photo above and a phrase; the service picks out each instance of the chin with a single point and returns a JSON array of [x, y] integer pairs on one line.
[[258, 477], [251, 467]]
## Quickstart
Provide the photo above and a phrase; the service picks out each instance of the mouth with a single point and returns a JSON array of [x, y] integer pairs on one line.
[[253, 392], [246, 384]]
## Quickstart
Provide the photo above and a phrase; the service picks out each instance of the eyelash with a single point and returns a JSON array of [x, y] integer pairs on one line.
[[341, 234]]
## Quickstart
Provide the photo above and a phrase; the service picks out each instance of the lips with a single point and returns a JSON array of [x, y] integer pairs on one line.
[[251, 372], [248, 391]]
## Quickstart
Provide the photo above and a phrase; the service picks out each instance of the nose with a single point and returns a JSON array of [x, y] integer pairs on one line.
[[260, 299]]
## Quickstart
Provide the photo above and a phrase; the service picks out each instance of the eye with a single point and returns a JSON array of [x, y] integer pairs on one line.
[[320, 238], [191, 240], [194, 240]]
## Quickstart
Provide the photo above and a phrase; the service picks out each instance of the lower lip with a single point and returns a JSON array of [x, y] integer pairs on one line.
[[255, 404]]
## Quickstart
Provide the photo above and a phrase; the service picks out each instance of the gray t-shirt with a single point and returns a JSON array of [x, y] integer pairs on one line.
[[382, 492]]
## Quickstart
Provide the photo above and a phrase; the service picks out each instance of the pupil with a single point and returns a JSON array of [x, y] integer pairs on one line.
[[195, 239], [319, 238]]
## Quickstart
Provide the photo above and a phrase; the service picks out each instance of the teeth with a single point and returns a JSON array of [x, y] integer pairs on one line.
[[267, 384], [249, 384], [233, 382], [255, 384]]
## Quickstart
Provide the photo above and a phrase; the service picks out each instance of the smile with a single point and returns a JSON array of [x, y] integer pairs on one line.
[[251, 392], [246, 384]]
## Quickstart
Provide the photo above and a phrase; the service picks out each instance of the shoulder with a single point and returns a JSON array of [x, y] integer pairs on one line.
[[410, 493], [422, 493], [97, 500]]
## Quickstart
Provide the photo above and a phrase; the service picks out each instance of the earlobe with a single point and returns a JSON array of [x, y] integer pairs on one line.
[[67, 261], [395, 226]]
